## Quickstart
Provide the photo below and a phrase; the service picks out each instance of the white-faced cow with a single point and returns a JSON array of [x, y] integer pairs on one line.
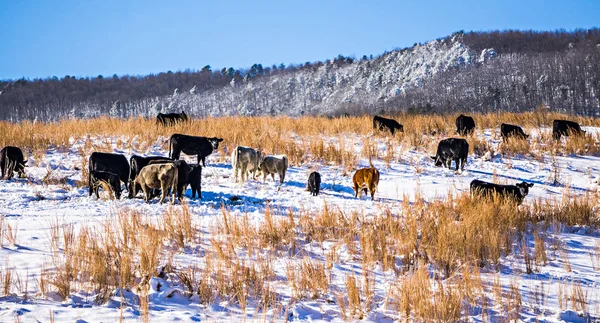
[[113, 181], [509, 130], [274, 165], [314, 183], [169, 119], [452, 149], [565, 128], [136, 164], [490, 190], [192, 145], [465, 125], [11, 161], [244, 160], [158, 176], [108, 162], [385, 124]]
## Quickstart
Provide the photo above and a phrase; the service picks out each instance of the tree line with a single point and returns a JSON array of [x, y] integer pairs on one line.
[[558, 68]]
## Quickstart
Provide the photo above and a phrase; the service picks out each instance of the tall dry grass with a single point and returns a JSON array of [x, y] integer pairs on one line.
[[301, 139]]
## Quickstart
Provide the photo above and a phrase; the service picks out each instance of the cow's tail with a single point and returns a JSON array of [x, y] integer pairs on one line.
[[174, 185], [285, 166], [234, 163]]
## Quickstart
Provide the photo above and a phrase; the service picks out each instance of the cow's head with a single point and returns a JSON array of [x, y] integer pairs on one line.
[[214, 142], [524, 188], [117, 188], [21, 168], [439, 161]]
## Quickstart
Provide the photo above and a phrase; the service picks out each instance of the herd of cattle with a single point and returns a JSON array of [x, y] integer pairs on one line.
[[169, 174]]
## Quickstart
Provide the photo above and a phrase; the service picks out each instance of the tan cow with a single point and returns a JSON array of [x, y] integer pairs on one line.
[[244, 160], [366, 178], [277, 164], [162, 176]]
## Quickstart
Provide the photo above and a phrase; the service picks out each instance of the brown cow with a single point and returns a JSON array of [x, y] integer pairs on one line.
[[162, 176], [366, 178]]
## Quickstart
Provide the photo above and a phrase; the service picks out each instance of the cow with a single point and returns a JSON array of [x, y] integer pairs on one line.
[[450, 149], [11, 161], [366, 178], [515, 192], [465, 125], [169, 119], [314, 183], [565, 128], [274, 165], [509, 130], [245, 159], [157, 176], [183, 170], [390, 125], [192, 145], [136, 164], [108, 162], [97, 177], [195, 180]]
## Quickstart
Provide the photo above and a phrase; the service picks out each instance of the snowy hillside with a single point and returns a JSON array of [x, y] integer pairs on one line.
[[328, 88]]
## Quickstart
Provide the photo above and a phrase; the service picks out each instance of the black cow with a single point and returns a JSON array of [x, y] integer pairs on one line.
[[97, 177], [108, 162], [465, 125], [390, 125], [136, 164], [314, 183], [192, 145], [564, 128], [183, 170], [195, 180], [515, 192], [169, 119], [509, 130], [12, 160], [450, 149]]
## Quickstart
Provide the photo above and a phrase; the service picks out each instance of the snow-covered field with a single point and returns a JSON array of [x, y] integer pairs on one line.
[[30, 207]]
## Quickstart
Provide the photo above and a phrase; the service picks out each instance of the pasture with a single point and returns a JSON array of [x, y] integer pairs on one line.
[[424, 249]]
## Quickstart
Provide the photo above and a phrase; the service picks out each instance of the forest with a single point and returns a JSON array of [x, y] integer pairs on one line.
[[560, 69]]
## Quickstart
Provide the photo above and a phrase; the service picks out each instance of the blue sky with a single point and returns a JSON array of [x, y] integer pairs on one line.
[[44, 38]]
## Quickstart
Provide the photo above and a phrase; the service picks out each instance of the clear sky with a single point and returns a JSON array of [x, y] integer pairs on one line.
[[44, 38]]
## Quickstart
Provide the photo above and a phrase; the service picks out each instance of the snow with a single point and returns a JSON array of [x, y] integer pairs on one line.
[[30, 207]]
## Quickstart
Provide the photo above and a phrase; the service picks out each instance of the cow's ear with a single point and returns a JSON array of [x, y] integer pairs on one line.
[[433, 157], [219, 139], [25, 162], [530, 184]]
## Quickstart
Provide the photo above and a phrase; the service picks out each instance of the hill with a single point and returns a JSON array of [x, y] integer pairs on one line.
[[475, 72]]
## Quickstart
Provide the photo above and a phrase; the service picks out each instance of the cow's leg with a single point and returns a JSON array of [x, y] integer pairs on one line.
[[356, 190], [10, 170], [457, 162], [147, 192], [244, 169], [165, 191]]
